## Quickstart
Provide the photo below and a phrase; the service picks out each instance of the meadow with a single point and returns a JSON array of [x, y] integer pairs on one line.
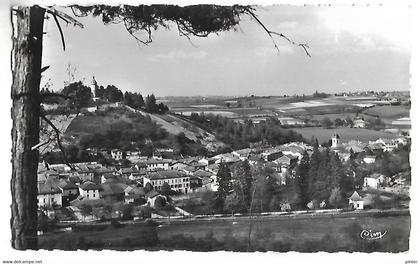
[[388, 111], [304, 234]]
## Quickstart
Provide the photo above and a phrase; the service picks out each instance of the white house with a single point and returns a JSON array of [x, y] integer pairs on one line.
[[157, 164], [49, 195], [177, 180], [242, 154], [359, 123], [369, 159], [375, 180], [387, 144], [335, 140], [356, 201], [117, 154], [89, 190]]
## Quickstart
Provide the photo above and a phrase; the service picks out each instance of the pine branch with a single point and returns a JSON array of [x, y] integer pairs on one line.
[[57, 136]]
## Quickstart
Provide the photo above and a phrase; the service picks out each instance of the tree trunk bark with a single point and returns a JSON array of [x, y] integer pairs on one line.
[[26, 67]]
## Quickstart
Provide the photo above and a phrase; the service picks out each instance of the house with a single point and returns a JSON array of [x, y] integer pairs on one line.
[[226, 158], [242, 154], [107, 176], [214, 168], [359, 123], [356, 201], [202, 173], [355, 145], [195, 182], [155, 164], [49, 194], [84, 172], [271, 154], [190, 170], [113, 191], [375, 180], [387, 144], [208, 161], [285, 161], [177, 180], [290, 121], [89, 190], [131, 172], [69, 191], [133, 194], [335, 140], [59, 168], [117, 154], [369, 159], [100, 171], [178, 165]]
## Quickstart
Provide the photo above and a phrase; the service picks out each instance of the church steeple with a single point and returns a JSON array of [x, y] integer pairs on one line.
[[335, 140], [93, 86]]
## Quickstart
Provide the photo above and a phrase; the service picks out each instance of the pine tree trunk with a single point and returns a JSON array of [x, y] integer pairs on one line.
[[26, 67]]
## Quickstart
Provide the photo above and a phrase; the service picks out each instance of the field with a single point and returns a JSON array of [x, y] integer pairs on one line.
[[307, 233], [345, 133], [388, 111], [330, 116]]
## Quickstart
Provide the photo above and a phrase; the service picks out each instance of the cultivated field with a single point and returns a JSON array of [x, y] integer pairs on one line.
[[389, 111], [345, 133]]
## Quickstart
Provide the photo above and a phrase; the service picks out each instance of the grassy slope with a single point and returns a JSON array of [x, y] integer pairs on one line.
[[173, 125]]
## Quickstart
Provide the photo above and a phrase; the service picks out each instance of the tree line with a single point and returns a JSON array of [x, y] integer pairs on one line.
[[76, 95], [239, 135]]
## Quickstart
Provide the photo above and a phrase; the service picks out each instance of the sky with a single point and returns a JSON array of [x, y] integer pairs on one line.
[[352, 49]]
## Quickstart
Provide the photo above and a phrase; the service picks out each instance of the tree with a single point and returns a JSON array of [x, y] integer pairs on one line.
[[199, 20], [326, 122], [301, 182], [27, 52], [338, 122], [148, 187], [243, 183], [233, 204], [150, 104], [160, 202], [81, 94], [225, 186], [336, 198], [166, 189], [85, 209], [113, 94]]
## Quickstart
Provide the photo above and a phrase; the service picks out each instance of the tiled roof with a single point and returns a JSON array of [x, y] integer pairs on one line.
[[355, 197], [112, 188], [152, 194], [89, 186], [168, 174], [66, 185], [49, 187]]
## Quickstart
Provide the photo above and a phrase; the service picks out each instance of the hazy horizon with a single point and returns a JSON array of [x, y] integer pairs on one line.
[[372, 54]]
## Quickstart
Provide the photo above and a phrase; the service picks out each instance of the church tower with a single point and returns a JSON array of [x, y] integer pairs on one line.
[[93, 86], [335, 141]]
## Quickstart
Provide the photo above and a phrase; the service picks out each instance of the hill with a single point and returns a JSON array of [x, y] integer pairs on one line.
[[125, 127]]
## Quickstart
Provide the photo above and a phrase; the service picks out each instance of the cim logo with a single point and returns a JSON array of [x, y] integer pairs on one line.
[[369, 235]]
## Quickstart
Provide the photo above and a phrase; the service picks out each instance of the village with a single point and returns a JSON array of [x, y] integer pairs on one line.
[[144, 187]]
